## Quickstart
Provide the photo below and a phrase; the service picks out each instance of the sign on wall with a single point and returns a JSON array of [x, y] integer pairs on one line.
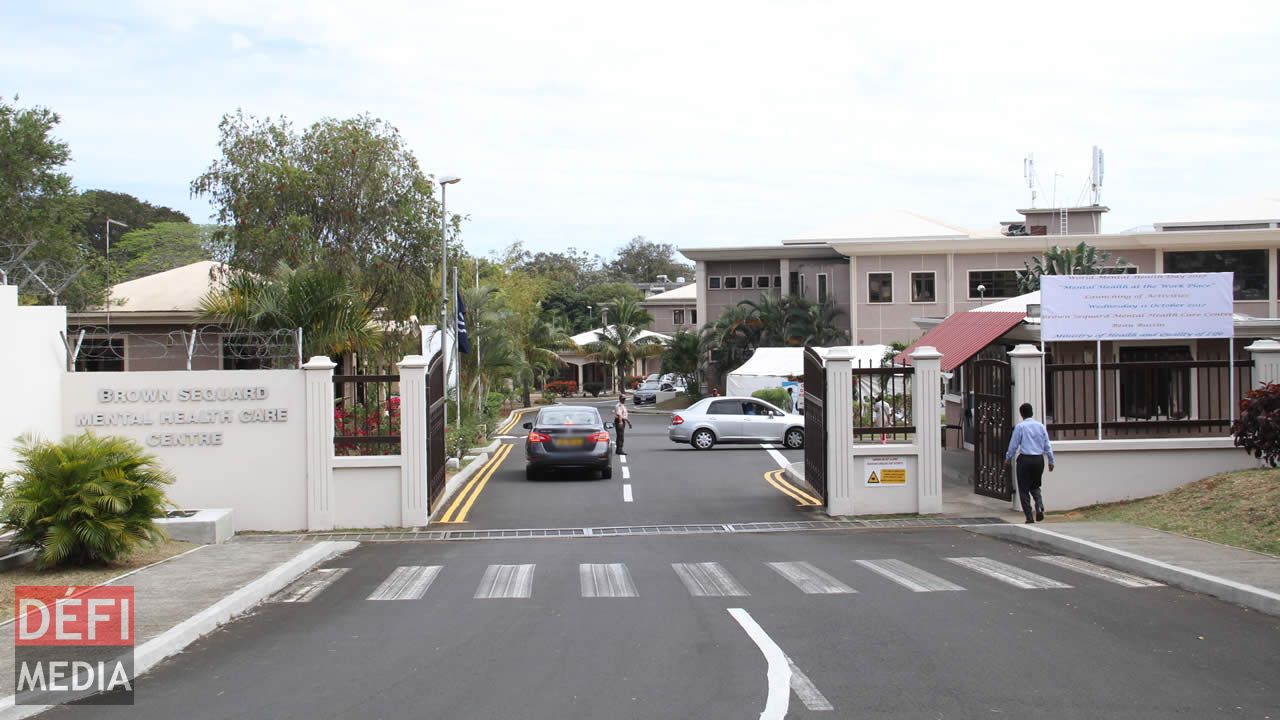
[[1136, 307], [885, 471], [181, 416]]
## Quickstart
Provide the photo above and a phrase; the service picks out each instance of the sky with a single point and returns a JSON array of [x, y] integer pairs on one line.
[[584, 124]]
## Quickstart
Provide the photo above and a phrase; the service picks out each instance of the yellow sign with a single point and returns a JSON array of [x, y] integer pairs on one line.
[[886, 470], [873, 480]]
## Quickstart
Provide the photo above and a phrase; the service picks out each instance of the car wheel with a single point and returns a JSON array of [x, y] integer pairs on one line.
[[794, 439], [531, 474], [606, 473], [703, 439]]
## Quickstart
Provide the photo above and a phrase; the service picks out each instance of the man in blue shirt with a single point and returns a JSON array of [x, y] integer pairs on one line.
[[1030, 442]]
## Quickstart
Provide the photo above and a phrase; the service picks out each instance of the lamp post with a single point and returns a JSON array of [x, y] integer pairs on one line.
[[444, 268], [110, 222]]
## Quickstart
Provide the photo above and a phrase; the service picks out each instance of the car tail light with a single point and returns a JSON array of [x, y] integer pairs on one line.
[[601, 436], [535, 436], [677, 420]]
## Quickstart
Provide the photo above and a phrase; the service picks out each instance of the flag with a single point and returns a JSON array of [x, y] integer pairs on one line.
[[464, 344]]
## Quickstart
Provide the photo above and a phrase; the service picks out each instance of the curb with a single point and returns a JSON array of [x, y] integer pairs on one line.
[[178, 637], [461, 477], [796, 475], [1238, 593]]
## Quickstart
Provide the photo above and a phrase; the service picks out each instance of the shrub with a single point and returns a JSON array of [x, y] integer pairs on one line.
[[562, 387], [633, 381], [87, 499], [1257, 430], [593, 388], [458, 439], [493, 404], [549, 397], [374, 417], [775, 396]]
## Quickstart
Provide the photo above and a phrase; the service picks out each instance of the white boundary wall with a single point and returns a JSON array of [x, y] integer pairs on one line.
[[32, 363]]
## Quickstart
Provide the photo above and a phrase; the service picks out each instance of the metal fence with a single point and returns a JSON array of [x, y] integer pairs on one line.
[[366, 415], [209, 347], [882, 402]]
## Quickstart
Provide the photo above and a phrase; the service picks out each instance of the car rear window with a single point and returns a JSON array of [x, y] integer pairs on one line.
[[569, 417]]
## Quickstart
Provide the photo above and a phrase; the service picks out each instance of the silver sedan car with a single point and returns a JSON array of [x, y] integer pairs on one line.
[[735, 420]]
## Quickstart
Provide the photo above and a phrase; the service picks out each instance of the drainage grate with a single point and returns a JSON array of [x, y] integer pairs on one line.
[[623, 531]]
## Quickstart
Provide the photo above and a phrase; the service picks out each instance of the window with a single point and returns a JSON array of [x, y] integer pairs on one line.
[[922, 287], [713, 282], [100, 355], [747, 282], [824, 289], [730, 283], [1249, 266], [777, 281], [677, 317], [796, 283], [693, 317], [762, 282], [995, 284], [1155, 391], [880, 287], [1120, 270], [725, 407]]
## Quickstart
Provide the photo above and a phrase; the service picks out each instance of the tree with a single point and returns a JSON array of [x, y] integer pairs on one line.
[[641, 260], [131, 211], [818, 323], [162, 246], [345, 194], [606, 293], [1083, 259], [683, 357], [540, 344], [622, 342], [730, 339]]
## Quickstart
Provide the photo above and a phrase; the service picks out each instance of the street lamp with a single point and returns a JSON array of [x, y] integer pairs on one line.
[[110, 222]]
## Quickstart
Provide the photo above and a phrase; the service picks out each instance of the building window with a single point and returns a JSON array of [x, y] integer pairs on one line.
[[730, 282], [880, 287], [762, 282], [793, 279], [677, 317], [1120, 270], [693, 317], [823, 288], [994, 283], [923, 288], [1155, 392], [1249, 266], [100, 355], [713, 282], [777, 281], [747, 282]]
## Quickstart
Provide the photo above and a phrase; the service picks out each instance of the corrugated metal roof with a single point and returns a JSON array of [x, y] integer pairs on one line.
[[962, 335]]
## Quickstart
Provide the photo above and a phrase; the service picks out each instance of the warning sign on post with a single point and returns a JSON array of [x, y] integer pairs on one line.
[[885, 471]]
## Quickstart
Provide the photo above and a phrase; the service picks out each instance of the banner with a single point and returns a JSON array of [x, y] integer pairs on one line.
[[1136, 307]]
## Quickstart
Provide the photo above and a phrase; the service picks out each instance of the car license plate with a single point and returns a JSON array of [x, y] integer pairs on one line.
[[571, 442]]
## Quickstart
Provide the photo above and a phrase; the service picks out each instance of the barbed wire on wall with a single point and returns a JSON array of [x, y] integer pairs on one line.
[[102, 348], [17, 268]]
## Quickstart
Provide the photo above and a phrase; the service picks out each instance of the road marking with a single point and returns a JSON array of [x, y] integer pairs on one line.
[[626, 493], [506, 581], [1015, 576], [813, 700], [406, 583], [778, 457], [514, 418], [779, 666], [626, 473], [457, 512], [804, 499], [1105, 573], [810, 579], [307, 587], [607, 580], [708, 580], [623, 458], [909, 576]]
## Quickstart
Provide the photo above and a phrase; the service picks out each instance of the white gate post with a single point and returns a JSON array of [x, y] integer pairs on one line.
[[319, 423], [926, 412], [413, 441], [839, 426], [1266, 363], [1026, 372]]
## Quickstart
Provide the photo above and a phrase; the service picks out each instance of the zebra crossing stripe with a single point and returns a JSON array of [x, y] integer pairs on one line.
[[307, 587], [406, 583], [909, 576], [708, 580], [810, 579], [1015, 576], [506, 581], [1098, 571], [606, 580]]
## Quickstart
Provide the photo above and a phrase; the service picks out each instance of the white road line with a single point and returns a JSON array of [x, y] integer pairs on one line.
[[307, 587], [778, 457], [909, 576], [804, 689], [626, 473], [609, 580], [1015, 576], [626, 493], [1105, 573], [779, 666], [708, 580], [810, 579], [408, 582], [506, 581]]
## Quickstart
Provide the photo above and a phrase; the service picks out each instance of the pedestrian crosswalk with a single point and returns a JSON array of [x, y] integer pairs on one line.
[[713, 579]]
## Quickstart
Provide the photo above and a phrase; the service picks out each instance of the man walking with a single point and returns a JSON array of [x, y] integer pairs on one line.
[[1030, 442], [621, 421]]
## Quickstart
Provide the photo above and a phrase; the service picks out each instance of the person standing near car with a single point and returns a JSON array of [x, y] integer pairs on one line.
[[621, 421]]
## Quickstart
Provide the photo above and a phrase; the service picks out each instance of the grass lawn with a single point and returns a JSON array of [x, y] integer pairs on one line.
[[1240, 508], [28, 575], [679, 402]]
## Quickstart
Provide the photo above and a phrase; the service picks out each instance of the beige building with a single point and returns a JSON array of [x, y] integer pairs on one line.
[[674, 310]]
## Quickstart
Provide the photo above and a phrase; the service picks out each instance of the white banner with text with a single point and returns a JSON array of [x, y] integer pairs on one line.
[[1136, 307]]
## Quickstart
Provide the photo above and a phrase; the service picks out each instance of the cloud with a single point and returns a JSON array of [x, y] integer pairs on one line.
[[239, 41]]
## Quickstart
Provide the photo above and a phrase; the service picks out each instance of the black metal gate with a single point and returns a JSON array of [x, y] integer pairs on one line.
[[436, 410], [815, 422], [992, 395]]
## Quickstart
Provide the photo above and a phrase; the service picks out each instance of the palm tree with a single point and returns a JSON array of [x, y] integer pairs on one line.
[[536, 351], [683, 356], [1083, 259], [730, 339], [623, 342], [774, 316], [493, 357], [815, 323]]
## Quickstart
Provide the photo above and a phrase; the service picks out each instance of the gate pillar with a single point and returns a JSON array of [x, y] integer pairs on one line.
[[839, 426], [319, 393], [1026, 370], [413, 441], [926, 410], [1266, 363]]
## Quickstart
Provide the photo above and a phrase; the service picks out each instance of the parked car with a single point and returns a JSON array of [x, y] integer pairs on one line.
[[735, 420], [566, 437], [647, 393]]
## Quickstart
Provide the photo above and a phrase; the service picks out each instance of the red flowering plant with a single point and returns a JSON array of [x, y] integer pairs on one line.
[[1257, 430], [561, 387], [373, 418]]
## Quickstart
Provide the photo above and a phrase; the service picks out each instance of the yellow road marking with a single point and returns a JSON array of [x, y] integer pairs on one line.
[[775, 478], [512, 419], [456, 515], [813, 499]]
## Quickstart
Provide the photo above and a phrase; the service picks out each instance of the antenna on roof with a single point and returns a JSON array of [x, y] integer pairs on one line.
[[1095, 176], [1029, 174]]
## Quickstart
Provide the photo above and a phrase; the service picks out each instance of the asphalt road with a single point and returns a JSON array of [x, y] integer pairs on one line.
[[922, 623]]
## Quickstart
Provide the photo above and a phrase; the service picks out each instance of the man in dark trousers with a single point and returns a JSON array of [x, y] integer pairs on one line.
[[621, 421], [1030, 442]]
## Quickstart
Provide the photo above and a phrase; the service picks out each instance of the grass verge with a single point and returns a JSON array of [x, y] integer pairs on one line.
[[1240, 508], [82, 576], [679, 402]]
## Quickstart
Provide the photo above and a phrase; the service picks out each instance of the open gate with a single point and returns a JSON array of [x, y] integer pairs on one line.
[[815, 422], [992, 396], [436, 409]]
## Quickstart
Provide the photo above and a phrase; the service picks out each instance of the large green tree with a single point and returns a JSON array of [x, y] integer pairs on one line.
[[642, 260], [125, 208], [623, 341], [683, 356], [159, 247]]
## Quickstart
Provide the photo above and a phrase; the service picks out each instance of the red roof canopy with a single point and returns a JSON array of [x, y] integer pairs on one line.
[[962, 335]]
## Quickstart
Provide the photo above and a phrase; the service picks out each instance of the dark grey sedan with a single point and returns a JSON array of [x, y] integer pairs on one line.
[[566, 437]]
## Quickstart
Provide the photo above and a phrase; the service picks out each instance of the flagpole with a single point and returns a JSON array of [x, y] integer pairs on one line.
[[457, 361]]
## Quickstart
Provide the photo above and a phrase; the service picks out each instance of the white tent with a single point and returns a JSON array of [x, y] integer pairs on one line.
[[770, 366]]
